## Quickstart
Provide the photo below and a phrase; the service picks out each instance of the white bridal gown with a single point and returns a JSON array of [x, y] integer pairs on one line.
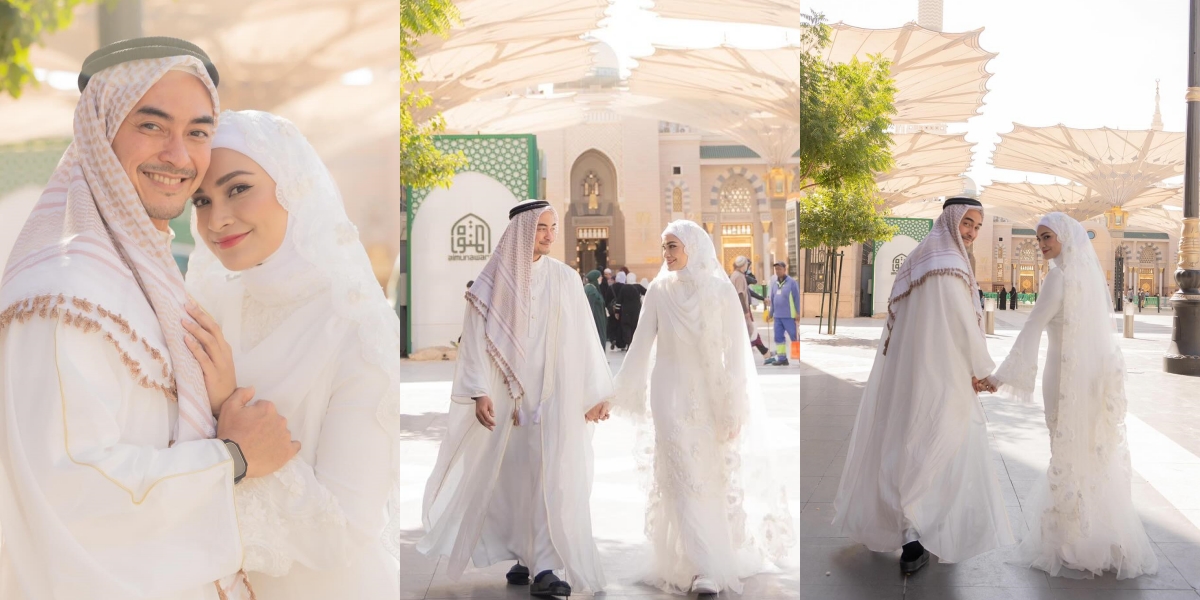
[[714, 507], [1097, 528]]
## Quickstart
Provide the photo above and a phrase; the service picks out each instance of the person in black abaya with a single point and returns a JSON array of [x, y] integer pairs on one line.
[[1002, 299], [1012, 298], [629, 300]]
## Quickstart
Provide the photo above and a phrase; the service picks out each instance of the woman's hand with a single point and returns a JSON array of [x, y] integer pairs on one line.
[[208, 345], [598, 412]]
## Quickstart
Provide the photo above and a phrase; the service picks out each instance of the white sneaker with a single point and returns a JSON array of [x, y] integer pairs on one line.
[[704, 585]]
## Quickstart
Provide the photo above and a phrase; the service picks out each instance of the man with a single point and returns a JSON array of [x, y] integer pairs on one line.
[[741, 285], [113, 486], [513, 476], [919, 473], [785, 309]]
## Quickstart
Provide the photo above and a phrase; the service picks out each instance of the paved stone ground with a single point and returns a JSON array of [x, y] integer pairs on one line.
[[618, 501], [1164, 433]]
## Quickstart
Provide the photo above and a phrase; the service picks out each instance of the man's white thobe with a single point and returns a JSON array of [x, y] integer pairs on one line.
[[94, 504], [522, 492], [919, 467]]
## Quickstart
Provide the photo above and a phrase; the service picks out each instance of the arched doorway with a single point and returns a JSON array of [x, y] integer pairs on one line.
[[1028, 267], [594, 228], [739, 199]]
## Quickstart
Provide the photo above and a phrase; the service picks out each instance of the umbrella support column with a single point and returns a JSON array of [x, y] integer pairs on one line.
[[1183, 355]]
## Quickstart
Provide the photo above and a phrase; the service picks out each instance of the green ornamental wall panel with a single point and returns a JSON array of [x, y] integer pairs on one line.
[[509, 159]]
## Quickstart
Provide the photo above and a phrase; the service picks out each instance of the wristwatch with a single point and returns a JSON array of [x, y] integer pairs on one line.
[[239, 460]]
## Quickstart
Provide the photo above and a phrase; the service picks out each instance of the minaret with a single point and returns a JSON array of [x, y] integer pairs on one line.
[[1156, 123], [929, 14]]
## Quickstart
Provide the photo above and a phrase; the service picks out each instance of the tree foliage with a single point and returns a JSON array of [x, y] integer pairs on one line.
[[421, 163], [845, 112], [22, 24], [834, 218]]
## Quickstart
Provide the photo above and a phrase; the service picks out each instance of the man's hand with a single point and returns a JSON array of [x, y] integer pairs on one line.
[[598, 412], [485, 413], [983, 385], [208, 345], [259, 430]]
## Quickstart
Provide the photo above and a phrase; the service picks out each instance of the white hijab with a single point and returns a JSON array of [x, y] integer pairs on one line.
[[321, 253]]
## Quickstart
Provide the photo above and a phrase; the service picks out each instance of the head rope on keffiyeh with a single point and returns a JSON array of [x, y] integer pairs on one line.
[[502, 294], [941, 253], [89, 245]]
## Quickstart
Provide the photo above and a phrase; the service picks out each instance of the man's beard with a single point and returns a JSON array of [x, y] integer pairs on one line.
[[165, 213]]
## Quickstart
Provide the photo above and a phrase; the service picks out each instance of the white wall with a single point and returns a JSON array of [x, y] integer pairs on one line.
[[884, 278], [439, 276]]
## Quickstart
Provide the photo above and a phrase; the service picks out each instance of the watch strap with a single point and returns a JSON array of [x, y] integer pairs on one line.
[[239, 460]]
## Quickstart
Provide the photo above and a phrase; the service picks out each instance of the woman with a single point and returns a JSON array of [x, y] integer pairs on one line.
[[295, 307], [1002, 299], [1082, 520], [1012, 298], [716, 512], [596, 300]]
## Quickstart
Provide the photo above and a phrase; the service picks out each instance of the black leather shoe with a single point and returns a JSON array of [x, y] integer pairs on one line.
[[913, 558], [548, 585], [518, 575]]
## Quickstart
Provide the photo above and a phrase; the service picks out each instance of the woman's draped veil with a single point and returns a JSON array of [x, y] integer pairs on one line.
[[1087, 434], [322, 240]]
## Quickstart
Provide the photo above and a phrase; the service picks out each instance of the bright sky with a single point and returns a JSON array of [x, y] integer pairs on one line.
[[1083, 63]]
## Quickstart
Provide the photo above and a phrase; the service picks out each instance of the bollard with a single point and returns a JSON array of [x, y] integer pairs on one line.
[[989, 311], [1129, 319]]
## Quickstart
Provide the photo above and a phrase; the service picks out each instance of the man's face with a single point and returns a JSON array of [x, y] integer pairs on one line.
[[547, 228], [165, 142], [780, 271], [970, 225]]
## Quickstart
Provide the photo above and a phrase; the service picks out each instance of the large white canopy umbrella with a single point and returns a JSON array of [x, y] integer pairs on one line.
[[267, 51], [766, 12], [1115, 167], [498, 21], [1078, 201], [926, 165], [940, 77], [752, 96], [456, 76]]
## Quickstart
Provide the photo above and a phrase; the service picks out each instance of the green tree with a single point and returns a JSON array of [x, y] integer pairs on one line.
[[422, 165], [22, 24], [845, 113], [831, 218]]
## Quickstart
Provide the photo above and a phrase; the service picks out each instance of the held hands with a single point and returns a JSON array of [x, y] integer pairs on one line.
[[259, 430], [598, 412], [208, 345], [986, 384]]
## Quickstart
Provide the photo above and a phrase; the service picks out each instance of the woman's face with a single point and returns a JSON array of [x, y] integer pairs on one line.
[[673, 253], [237, 213], [1049, 242]]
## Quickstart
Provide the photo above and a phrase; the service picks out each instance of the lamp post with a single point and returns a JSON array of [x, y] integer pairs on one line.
[[1183, 355]]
